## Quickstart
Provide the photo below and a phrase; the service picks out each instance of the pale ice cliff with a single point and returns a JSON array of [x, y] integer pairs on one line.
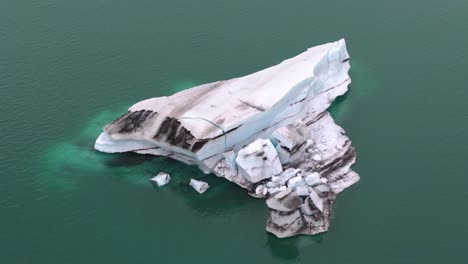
[[268, 132]]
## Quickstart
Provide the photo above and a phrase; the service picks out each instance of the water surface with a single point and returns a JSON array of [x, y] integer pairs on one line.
[[67, 68]]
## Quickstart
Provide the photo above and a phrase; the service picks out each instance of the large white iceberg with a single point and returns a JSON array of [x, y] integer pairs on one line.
[[265, 132]]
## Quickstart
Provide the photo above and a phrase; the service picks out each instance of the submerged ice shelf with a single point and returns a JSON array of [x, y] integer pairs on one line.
[[268, 132]]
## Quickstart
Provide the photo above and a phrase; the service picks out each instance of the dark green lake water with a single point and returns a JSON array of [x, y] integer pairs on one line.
[[69, 67]]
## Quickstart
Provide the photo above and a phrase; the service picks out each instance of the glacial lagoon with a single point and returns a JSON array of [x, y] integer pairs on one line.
[[67, 69]]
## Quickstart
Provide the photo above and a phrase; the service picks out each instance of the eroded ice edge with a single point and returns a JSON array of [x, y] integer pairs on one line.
[[268, 132]]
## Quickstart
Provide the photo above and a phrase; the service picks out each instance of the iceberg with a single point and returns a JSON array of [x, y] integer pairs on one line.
[[268, 132], [161, 179], [199, 186]]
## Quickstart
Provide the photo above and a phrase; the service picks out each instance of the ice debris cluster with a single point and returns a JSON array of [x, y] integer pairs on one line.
[[268, 132]]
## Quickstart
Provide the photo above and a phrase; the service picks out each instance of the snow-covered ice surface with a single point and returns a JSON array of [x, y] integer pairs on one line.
[[268, 132]]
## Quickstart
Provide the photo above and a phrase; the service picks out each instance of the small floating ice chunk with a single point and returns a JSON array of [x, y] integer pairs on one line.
[[199, 186], [161, 179]]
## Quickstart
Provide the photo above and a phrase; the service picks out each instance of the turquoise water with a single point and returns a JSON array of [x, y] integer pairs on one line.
[[67, 68]]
